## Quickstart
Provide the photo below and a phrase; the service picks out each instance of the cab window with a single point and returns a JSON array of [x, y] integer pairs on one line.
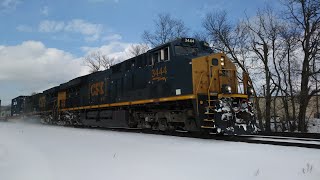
[[156, 57], [150, 60], [165, 56], [160, 55], [185, 50]]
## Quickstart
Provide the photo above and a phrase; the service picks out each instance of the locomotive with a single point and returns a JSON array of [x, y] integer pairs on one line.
[[181, 85]]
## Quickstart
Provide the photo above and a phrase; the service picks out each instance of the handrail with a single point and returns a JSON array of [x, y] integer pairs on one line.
[[210, 84], [197, 89]]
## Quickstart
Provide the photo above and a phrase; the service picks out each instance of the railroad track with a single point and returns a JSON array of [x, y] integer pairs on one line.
[[292, 134], [283, 141], [280, 139]]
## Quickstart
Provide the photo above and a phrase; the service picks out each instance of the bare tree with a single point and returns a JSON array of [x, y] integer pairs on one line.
[[93, 61], [305, 15], [202, 36], [288, 65], [167, 28], [107, 62], [264, 32], [227, 37], [137, 49], [97, 61]]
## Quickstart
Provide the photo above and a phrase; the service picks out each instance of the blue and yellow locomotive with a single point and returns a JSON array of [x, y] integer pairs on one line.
[[182, 84]]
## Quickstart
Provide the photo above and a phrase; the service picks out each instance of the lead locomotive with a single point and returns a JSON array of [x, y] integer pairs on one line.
[[178, 85]]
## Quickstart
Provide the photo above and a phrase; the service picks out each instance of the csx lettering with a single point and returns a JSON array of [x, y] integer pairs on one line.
[[97, 89]]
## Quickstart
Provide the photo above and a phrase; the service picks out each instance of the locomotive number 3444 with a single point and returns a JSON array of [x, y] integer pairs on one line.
[[159, 73]]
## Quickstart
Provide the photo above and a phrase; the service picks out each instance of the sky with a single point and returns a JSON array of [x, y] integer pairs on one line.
[[42, 43]]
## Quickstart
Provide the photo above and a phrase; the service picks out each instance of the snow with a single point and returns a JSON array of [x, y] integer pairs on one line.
[[314, 125], [32, 151]]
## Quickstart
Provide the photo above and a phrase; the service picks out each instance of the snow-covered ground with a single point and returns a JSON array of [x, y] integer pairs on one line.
[[31, 151], [314, 125]]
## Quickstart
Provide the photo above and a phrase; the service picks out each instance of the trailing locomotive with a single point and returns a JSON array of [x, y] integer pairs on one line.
[[178, 85]]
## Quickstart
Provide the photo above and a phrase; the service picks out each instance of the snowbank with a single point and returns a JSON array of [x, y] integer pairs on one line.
[[30, 151]]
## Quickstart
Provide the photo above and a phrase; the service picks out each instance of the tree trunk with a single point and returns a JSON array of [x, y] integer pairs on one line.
[[268, 87], [292, 96], [268, 101], [303, 96]]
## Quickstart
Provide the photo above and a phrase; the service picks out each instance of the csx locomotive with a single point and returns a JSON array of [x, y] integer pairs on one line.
[[182, 85]]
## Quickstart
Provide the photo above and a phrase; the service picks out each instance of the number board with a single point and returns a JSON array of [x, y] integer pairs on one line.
[[189, 41]]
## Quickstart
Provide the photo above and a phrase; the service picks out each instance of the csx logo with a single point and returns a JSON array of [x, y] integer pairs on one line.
[[97, 89]]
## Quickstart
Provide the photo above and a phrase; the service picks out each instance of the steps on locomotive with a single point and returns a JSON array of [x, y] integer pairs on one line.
[[208, 122]]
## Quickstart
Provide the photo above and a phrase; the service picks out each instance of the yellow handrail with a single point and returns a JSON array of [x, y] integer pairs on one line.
[[197, 89], [210, 84]]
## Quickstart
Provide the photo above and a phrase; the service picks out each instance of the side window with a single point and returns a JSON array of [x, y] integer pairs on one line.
[[156, 57], [165, 56], [162, 55], [150, 60]]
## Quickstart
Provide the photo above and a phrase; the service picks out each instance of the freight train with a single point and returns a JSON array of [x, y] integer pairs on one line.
[[181, 84]]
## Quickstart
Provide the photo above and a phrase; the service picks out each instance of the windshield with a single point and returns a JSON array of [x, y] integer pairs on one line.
[[185, 50]]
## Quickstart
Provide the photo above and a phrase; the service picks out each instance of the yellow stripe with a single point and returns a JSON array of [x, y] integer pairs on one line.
[[128, 103], [233, 95], [142, 101]]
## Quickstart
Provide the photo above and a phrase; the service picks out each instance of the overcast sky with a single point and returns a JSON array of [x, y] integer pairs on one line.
[[42, 42]]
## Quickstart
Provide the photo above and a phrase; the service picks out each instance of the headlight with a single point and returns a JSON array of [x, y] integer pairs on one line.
[[222, 61], [250, 91], [226, 89]]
